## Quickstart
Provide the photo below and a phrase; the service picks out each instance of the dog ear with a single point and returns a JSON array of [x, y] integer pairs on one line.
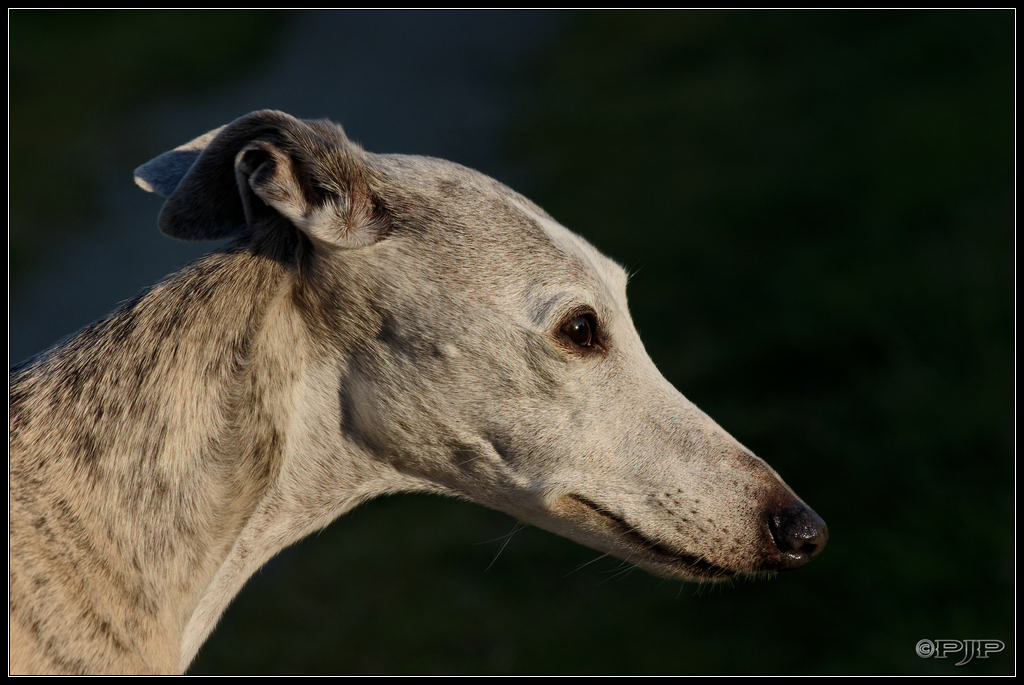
[[259, 170]]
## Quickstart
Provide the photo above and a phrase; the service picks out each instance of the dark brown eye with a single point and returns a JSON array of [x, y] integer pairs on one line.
[[580, 330]]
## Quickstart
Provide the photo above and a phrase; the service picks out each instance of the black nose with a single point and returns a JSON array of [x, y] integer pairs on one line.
[[799, 534]]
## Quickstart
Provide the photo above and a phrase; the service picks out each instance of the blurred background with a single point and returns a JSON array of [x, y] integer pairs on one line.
[[818, 207]]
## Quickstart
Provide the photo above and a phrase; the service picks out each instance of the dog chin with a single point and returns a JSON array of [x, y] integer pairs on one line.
[[597, 527]]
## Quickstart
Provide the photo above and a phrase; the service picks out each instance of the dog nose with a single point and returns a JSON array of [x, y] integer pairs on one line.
[[799, 534]]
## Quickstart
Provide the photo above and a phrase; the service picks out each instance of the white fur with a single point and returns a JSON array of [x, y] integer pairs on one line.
[[382, 324]]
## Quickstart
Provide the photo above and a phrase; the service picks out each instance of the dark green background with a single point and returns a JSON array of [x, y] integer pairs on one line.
[[818, 208]]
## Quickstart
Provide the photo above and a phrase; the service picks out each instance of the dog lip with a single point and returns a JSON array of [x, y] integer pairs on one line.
[[655, 551]]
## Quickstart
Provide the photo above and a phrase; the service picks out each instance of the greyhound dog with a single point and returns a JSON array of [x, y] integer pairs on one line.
[[380, 323]]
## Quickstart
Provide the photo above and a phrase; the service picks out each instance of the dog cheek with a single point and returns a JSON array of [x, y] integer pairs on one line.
[[372, 418]]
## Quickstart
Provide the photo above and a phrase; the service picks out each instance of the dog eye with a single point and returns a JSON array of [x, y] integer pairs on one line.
[[580, 330]]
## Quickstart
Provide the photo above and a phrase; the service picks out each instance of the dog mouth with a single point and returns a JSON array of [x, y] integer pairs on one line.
[[647, 550]]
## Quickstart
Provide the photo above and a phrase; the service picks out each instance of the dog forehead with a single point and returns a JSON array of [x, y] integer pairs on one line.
[[572, 244], [451, 200]]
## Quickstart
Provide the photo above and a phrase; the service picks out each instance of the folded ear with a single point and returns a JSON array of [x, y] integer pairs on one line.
[[261, 169]]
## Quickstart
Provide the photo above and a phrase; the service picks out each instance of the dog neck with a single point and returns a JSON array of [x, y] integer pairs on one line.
[[167, 463]]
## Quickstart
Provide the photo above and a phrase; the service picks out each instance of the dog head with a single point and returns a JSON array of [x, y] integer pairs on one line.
[[483, 350]]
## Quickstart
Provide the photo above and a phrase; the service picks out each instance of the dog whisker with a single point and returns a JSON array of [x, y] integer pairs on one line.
[[505, 539]]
